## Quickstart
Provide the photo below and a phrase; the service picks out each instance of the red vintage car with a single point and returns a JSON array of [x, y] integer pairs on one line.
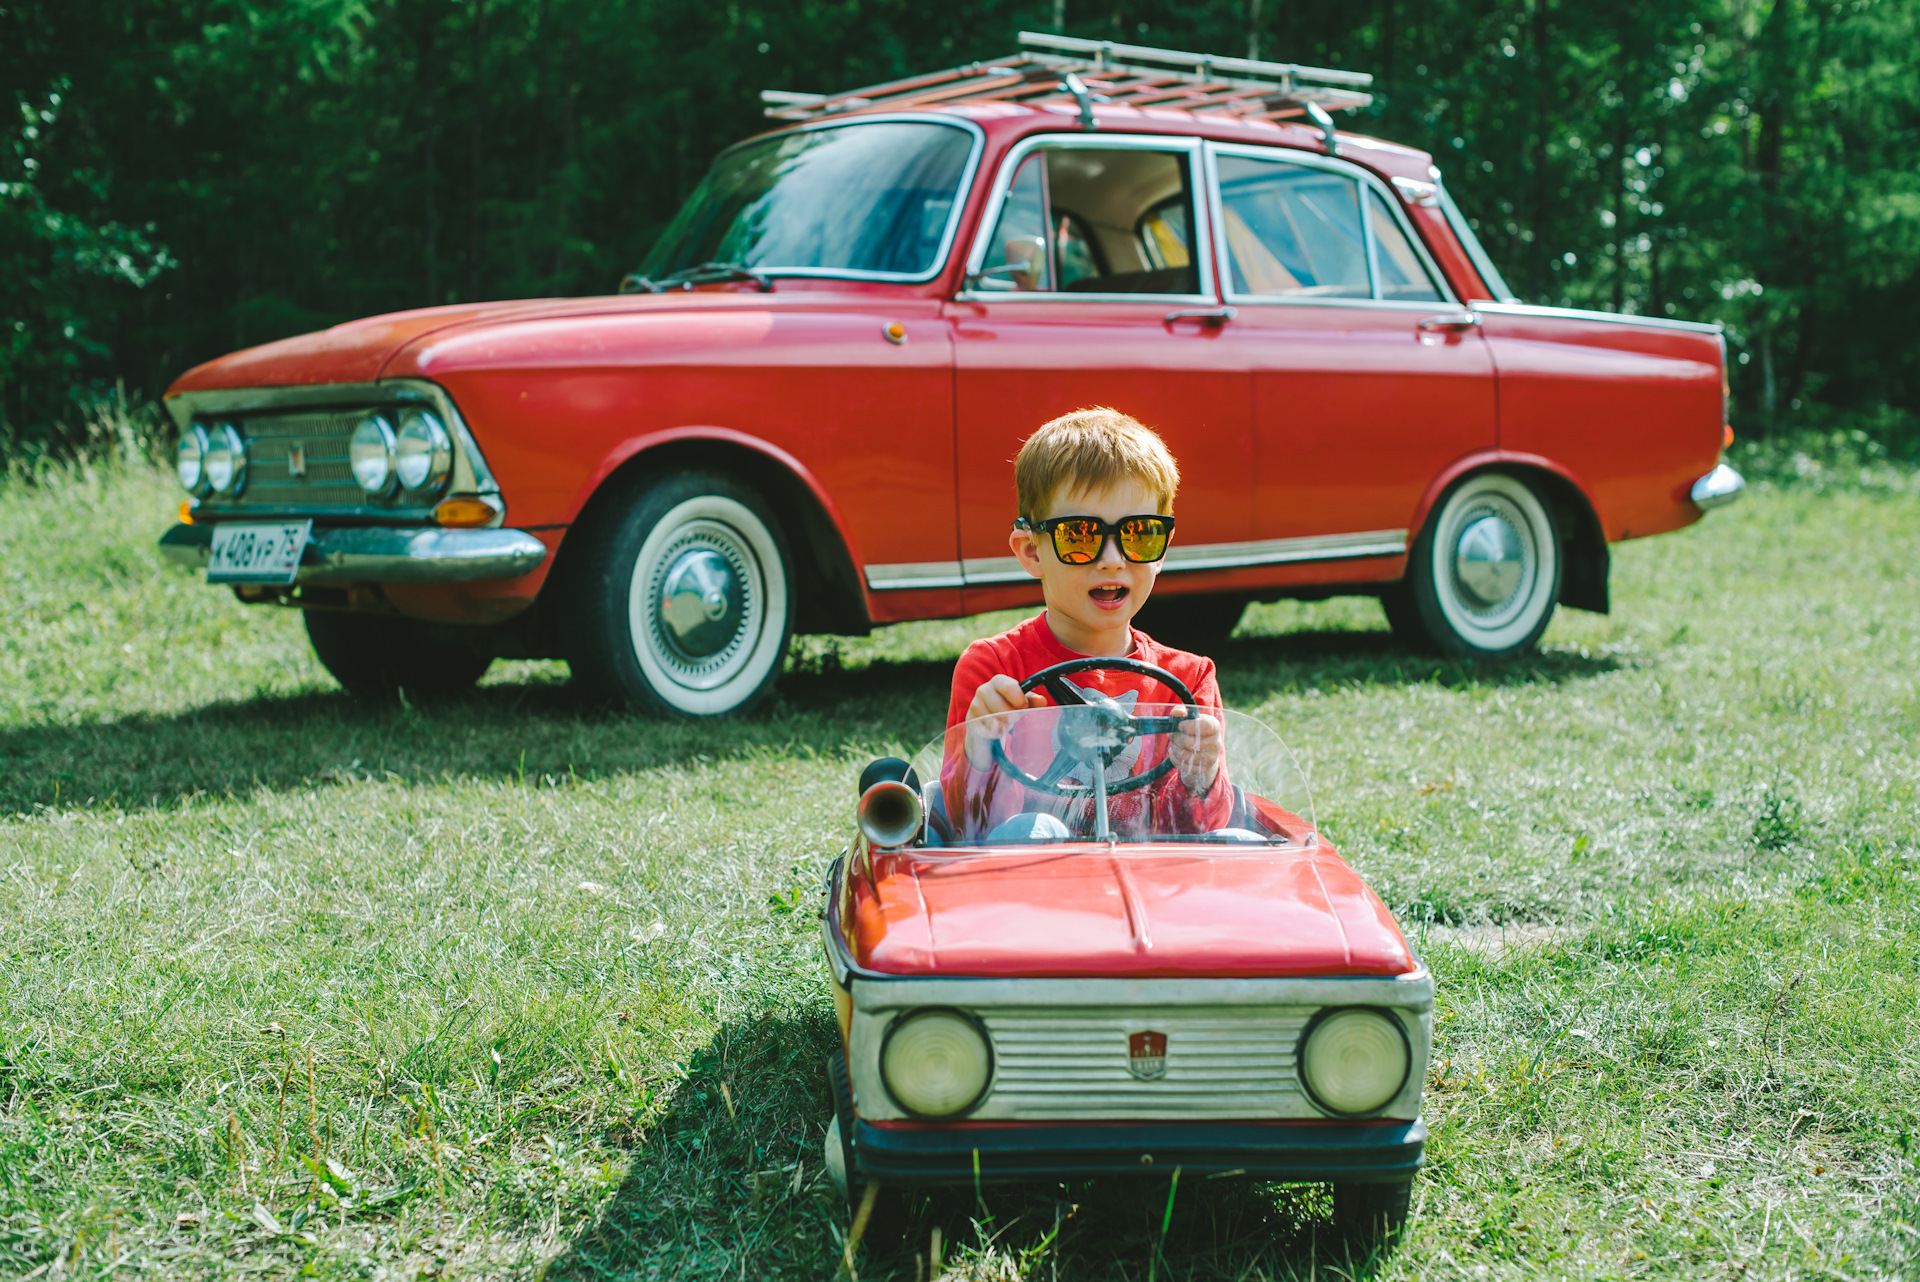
[[1043, 968], [800, 414]]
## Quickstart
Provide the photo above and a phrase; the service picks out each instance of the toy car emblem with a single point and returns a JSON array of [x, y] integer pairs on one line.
[[1147, 1056]]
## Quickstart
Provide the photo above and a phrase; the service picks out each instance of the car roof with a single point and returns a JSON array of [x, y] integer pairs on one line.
[[1063, 83]]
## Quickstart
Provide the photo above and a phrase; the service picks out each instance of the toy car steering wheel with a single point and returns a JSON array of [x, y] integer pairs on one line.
[[1103, 735]]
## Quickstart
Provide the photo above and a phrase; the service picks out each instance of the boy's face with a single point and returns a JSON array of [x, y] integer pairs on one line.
[[1106, 592]]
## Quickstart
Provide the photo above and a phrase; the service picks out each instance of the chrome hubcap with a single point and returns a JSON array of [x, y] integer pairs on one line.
[[701, 603], [1488, 561]]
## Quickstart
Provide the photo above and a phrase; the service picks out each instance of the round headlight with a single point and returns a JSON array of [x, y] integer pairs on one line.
[[936, 1063], [224, 464], [1355, 1060], [424, 452], [371, 455], [190, 460]]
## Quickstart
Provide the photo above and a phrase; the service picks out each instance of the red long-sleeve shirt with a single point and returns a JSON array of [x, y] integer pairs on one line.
[[1164, 806]]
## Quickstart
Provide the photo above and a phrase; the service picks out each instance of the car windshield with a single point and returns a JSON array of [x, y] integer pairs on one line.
[[1114, 771], [873, 199]]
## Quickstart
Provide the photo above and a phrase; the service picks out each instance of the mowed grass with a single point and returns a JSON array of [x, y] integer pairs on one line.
[[510, 985]]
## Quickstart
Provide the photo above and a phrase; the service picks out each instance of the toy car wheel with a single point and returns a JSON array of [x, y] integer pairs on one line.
[[681, 604], [1484, 575], [886, 1221], [1371, 1215], [377, 657], [1198, 622]]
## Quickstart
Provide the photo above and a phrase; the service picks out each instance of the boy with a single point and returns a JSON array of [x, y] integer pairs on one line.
[[1095, 575]]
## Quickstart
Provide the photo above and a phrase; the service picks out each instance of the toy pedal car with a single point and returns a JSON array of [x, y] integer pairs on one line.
[[1044, 966]]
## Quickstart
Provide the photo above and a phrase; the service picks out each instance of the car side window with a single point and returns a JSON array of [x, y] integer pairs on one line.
[[1078, 252], [1402, 275], [1162, 231], [1292, 230], [1017, 256], [1095, 220]]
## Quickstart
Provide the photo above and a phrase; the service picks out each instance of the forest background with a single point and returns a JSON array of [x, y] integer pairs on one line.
[[180, 178]]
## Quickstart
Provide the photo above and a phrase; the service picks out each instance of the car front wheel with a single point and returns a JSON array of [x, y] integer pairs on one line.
[[1483, 576], [683, 604]]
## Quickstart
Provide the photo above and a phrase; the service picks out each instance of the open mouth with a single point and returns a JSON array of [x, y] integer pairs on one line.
[[1109, 594]]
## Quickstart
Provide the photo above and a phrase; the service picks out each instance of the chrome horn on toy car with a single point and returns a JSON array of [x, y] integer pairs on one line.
[[890, 811]]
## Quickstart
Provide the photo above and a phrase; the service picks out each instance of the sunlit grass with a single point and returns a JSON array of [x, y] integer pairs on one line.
[[287, 985]]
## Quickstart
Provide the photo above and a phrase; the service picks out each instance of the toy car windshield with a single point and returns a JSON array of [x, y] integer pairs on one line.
[[1113, 771]]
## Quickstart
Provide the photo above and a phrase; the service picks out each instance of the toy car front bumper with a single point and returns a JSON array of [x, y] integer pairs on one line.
[[1360, 1152], [386, 554]]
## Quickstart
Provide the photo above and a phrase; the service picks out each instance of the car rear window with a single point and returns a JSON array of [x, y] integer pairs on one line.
[[872, 198]]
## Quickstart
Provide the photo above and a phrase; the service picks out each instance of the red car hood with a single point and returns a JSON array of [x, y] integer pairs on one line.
[[1082, 911], [360, 351]]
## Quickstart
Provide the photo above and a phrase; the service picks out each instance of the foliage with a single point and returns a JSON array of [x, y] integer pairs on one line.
[[289, 987], [191, 176]]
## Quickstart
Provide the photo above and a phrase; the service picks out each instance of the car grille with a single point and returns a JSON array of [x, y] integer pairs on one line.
[[297, 463], [1066, 1063]]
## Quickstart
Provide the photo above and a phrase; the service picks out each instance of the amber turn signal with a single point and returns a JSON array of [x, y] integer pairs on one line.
[[186, 511], [1726, 440], [464, 512]]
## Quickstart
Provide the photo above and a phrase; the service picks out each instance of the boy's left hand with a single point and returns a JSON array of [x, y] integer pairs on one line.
[[1196, 748]]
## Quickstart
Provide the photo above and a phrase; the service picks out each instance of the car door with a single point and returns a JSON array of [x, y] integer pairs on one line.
[[1091, 284], [1369, 378]]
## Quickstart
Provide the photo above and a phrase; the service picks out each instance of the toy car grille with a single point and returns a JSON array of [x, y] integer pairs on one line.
[[1229, 1062]]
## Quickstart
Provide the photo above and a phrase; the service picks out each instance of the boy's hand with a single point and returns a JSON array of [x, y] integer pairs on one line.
[[995, 697], [1196, 749]]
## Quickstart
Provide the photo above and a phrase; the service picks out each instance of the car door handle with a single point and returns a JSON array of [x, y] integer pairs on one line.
[[1451, 320], [1205, 315]]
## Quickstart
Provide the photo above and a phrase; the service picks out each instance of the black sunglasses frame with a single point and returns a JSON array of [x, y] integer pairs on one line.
[[1108, 530]]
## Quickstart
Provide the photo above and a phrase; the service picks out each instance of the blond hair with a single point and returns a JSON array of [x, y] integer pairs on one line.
[[1092, 449]]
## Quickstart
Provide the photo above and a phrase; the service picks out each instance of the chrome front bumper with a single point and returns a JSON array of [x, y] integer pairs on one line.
[[1717, 488], [384, 554]]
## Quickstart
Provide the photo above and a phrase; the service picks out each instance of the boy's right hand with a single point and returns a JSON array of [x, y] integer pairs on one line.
[[995, 697]]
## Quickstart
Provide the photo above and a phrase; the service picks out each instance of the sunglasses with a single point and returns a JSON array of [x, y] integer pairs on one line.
[[1077, 540]]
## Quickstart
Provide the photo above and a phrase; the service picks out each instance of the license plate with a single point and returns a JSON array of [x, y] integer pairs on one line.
[[257, 553]]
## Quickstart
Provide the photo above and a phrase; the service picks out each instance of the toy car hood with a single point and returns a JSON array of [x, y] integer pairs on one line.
[[1088, 910]]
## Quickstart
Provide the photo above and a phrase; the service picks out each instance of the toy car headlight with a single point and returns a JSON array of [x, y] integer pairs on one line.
[[936, 1063], [1354, 1060]]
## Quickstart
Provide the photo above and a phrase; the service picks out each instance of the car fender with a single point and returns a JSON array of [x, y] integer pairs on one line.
[[1480, 459]]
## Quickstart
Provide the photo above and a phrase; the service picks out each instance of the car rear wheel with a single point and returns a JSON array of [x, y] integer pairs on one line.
[[1484, 575], [379, 657], [682, 603], [1371, 1216]]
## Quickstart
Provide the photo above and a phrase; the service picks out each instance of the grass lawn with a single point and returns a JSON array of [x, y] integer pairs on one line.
[[510, 985]]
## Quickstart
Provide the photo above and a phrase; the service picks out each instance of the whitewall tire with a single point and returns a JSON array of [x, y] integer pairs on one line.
[[1483, 577], [685, 606]]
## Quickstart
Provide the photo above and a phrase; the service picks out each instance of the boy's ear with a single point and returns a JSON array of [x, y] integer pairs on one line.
[[1027, 549]]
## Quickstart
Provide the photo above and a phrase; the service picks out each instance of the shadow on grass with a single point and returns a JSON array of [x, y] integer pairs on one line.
[[1254, 668], [728, 1181], [540, 731]]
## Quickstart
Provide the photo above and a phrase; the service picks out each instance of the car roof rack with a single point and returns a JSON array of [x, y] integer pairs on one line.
[[1064, 70]]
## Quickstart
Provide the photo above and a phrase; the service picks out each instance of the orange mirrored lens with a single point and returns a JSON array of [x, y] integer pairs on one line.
[[1077, 542], [1143, 540]]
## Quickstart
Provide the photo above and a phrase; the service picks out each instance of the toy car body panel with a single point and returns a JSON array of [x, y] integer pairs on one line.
[[1016, 999]]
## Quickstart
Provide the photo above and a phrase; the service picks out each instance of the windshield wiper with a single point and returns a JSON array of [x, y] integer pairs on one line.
[[688, 277]]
